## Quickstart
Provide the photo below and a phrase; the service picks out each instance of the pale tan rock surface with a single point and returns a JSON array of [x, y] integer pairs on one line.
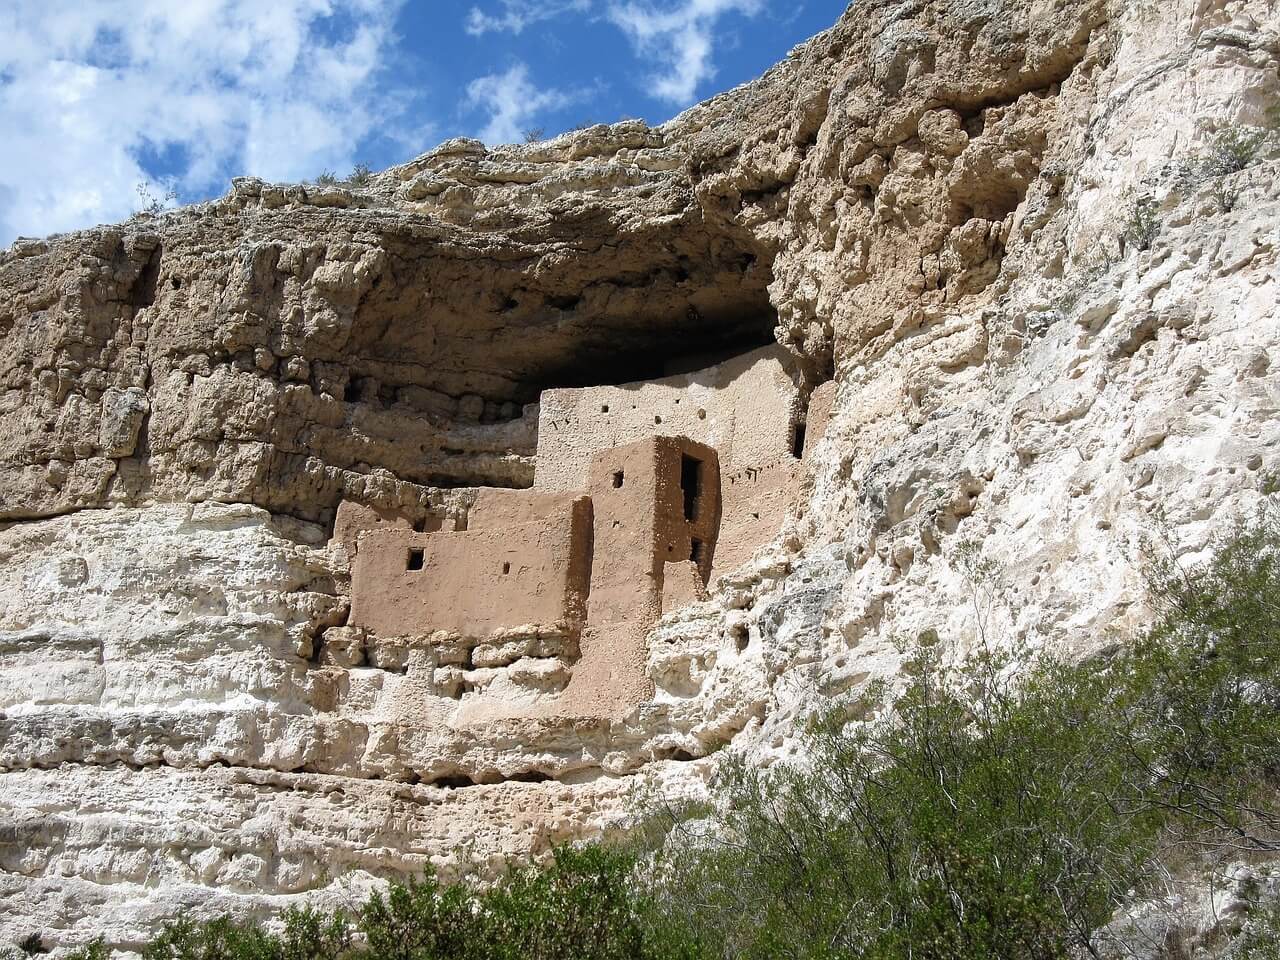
[[927, 202]]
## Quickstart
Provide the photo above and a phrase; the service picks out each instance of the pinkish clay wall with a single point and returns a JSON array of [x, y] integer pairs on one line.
[[682, 584], [744, 408], [649, 507], [353, 519], [476, 582], [643, 493]]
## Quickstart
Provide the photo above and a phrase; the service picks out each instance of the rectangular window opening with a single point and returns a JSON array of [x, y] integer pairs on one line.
[[797, 441], [506, 568], [690, 483], [695, 550], [617, 479], [417, 558]]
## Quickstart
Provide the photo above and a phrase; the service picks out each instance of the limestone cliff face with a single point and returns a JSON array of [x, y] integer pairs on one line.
[[931, 204]]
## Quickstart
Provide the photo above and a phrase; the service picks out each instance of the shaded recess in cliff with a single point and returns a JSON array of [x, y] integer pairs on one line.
[[581, 310]]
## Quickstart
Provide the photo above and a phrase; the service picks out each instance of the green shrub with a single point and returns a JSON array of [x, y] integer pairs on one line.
[[1260, 939], [360, 175], [978, 817], [419, 920], [327, 178], [1144, 223], [1232, 150], [583, 906], [969, 820], [97, 950], [307, 935], [151, 204], [1205, 693]]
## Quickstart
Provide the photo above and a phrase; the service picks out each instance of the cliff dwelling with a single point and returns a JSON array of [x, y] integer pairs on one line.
[[429, 522], [643, 494]]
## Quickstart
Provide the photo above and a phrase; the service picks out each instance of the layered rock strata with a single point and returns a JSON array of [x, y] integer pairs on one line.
[[1048, 334]]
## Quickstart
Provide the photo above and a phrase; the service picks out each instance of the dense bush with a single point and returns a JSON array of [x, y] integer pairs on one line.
[[582, 906], [994, 812], [966, 821], [994, 807]]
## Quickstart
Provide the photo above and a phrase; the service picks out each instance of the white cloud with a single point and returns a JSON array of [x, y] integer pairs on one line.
[[281, 90], [679, 38], [512, 102], [518, 14]]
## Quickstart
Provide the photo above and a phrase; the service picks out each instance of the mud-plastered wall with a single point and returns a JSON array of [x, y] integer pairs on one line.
[[475, 582], [745, 408]]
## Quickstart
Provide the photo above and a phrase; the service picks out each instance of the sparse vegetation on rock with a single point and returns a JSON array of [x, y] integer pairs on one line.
[[1144, 223], [925, 208]]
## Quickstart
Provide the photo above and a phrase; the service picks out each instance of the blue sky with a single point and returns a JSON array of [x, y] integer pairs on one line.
[[99, 98]]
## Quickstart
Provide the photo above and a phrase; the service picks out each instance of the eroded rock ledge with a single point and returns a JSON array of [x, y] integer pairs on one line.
[[927, 207]]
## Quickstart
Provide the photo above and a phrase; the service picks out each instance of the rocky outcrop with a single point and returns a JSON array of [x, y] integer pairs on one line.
[[1050, 333]]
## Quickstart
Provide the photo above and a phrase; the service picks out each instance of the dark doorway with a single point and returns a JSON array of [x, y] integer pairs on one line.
[[797, 441], [417, 558], [691, 484]]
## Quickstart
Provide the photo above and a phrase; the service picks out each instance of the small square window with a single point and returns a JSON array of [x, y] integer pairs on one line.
[[604, 408], [417, 559], [617, 479]]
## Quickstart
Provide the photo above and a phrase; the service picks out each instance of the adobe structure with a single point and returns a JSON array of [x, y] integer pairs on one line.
[[643, 493]]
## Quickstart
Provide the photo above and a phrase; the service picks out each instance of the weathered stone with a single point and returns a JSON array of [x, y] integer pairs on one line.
[[924, 205]]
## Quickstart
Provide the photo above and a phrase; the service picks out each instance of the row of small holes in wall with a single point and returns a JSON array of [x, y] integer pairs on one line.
[[604, 408], [750, 473], [417, 559]]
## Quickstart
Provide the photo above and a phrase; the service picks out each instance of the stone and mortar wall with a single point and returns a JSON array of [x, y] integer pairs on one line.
[[933, 194], [748, 408], [543, 574], [745, 407], [477, 582], [638, 504]]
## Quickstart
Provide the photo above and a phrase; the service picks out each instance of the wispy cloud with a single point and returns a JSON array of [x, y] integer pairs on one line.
[[680, 38], [512, 102], [92, 93], [515, 15]]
